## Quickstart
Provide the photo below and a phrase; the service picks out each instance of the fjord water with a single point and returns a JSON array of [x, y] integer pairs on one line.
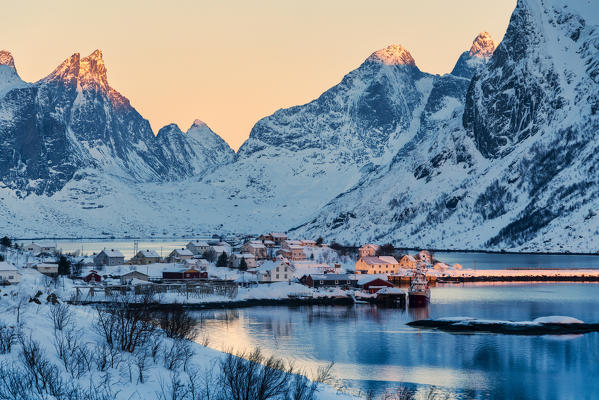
[[374, 350]]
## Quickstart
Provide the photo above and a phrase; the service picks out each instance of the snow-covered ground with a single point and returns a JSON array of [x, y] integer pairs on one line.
[[123, 379]]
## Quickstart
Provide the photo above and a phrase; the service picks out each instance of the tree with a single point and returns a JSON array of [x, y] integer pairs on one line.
[[64, 266], [243, 266], [210, 255], [386, 250], [5, 242], [319, 241], [222, 260]]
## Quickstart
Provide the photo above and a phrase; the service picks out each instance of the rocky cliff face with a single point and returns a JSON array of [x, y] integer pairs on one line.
[[193, 153], [72, 120], [513, 167], [479, 54]]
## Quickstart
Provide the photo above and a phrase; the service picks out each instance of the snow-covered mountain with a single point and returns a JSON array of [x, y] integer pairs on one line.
[[515, 167], [73, 120], [470, 61], [195, 152]]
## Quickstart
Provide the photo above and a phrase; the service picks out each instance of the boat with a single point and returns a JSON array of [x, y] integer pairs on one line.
[[419, 294]]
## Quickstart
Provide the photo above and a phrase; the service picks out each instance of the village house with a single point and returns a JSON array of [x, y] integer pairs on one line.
[[377, 265], [109, 258], [250, 260], [200, 264], [302, 268], [279, 270], [329, 280], [408, 262], [38, 249], [372, 283], [134, 275], [92, 277], [144, 257], [368, 250], [184, 274], [256, 248], [293, 250], [308, 243], [424, 256], [48, 269], [179, 255], [9, 273], [198, 247], [220, 248], [277, 238]]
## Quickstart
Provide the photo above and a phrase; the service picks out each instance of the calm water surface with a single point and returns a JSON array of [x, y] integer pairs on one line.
[[374, 350]]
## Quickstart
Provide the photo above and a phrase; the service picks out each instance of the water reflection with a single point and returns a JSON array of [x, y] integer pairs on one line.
[[374, 350]]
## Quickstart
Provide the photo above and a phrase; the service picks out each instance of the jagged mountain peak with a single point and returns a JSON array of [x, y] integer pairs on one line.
[[169, 129], [394, 54], [483, 46], [87, 71], [6, 58], [198, 123]]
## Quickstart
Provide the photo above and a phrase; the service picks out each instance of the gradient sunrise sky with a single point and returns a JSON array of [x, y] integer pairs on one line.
[[230, 63]]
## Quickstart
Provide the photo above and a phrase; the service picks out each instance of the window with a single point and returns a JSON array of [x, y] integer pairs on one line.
[[11, 277], [336, 282], [277, 276], [285, 276]]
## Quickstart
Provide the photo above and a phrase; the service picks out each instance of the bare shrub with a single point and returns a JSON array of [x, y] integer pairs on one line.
[[61, 316], [176, 354], [177, 322], [44, 376], [253, 376], [126, 323], [8, 337], [75, 355]]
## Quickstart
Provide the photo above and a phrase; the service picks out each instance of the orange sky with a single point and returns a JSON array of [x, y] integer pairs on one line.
[[229, 62]]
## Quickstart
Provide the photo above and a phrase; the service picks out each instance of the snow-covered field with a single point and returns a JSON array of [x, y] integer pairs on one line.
[[151, 375]]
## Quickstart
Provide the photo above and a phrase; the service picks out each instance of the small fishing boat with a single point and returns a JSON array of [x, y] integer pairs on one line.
[[419, 294]]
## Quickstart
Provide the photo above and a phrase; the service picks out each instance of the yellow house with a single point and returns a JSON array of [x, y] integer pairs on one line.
[[408, 262], [377, 265]]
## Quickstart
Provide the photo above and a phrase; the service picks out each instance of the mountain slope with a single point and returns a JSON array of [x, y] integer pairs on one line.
[[73, 120], [515, 169], [195, 152]]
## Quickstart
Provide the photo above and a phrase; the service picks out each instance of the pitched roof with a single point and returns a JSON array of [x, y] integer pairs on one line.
[[333, 277], [182, 252], [383, 260], [149, 253], [198, 243], [6, 266], [256, 245], [112, 253]]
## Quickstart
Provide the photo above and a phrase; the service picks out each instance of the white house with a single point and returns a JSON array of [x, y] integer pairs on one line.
[[279, 270], [180, 255], [109, 257], [198, 246], [9, 273], [37, 249], [302, 268]]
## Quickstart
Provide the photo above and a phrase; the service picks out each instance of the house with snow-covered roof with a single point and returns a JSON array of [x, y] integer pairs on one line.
[[144, 257], [37, 248], [9, 273], [302, 268], [377, 265], [179, 255], [278, 270], [197, 246], [256, 248], [368, 250], [408, 262], [329, 280], [250, 260], [109, 257], [293, 250]]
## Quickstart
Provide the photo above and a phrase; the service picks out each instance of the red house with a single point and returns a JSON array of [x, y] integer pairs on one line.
[[189, 274], [92, 276], [375, 285]]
